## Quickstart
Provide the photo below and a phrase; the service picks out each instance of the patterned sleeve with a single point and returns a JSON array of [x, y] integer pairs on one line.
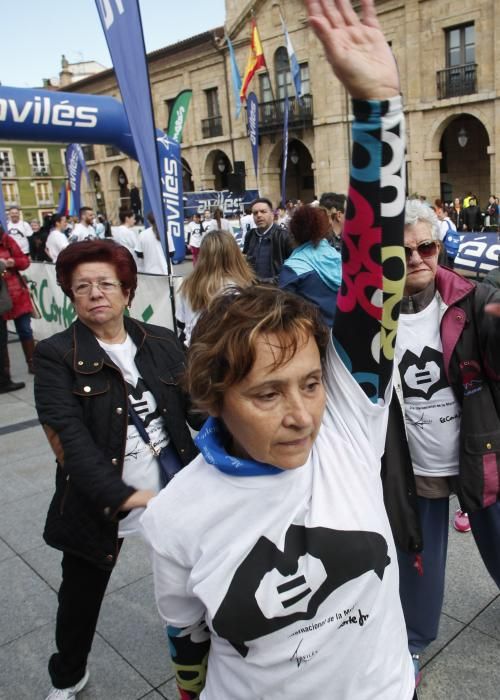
[[189, 647], [373, 265]]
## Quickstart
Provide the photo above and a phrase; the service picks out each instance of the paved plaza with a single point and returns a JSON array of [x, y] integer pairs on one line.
[[129, 659]]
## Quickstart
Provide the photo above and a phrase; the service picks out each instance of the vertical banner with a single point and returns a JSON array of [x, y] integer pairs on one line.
[[3, 214], [122, 27], [61, 205], [75, 165], [169, 156], [253, 131], [294, 64], [285, 152], [177, 117]]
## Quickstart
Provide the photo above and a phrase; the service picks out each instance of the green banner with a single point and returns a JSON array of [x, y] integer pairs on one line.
[[178, 115]]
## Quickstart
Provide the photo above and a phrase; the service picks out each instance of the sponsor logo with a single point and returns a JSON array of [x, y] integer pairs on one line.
[[43, 111]]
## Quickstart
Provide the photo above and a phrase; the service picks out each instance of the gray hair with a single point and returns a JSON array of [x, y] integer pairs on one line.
[[416, 211]]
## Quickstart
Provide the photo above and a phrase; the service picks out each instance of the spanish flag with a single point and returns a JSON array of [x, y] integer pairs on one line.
[[255, 61]]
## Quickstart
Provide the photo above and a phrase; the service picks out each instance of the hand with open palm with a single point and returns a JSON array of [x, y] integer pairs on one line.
[[355, 47]]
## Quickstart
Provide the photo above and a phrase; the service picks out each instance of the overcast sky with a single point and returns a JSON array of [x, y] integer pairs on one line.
[[35, 33]]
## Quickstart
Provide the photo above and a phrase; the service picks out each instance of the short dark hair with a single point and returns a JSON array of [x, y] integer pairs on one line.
[[56, 218], [262, 200], [125, 214], [97, 251], [82, 211], [332, 200], [309, 224], [224, 341]]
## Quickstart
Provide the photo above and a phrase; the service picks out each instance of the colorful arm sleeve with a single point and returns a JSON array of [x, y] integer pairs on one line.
[[189, 647], [373, 265]]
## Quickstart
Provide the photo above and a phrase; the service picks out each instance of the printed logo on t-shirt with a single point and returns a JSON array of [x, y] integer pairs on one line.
[[272, 589], [422, 376]]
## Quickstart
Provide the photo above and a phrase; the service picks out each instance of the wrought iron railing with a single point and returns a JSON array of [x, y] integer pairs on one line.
[[456, 81], [271, 114]]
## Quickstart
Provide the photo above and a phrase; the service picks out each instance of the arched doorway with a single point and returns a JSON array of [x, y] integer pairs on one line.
[[217, 169], [187, 176], [299, 174], [119, 190], [97, 192], [465, 163]]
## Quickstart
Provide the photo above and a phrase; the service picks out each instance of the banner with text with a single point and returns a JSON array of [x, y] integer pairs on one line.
[[122, 27], [178, 115], [478, 254], [253, 130], [229, 203], [75, 165]]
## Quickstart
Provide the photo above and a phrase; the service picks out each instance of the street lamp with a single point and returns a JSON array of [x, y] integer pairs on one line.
[[463, 138], [294, 157], [122, 179], [221, 165]]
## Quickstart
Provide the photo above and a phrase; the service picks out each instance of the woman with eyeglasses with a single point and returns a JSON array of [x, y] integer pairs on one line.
[[92, 381]]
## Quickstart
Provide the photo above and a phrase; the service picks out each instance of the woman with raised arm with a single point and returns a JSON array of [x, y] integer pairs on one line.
[[278, 577]]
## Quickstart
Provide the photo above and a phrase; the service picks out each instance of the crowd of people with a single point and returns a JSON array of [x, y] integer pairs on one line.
[[341, 383]]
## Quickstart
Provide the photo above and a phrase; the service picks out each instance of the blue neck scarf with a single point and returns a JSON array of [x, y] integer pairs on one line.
[[210, 441]]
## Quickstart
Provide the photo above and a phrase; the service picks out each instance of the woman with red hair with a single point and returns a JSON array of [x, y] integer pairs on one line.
[[107, 396]]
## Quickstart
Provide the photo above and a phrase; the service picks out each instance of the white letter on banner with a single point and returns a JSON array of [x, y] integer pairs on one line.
[[107, 11]]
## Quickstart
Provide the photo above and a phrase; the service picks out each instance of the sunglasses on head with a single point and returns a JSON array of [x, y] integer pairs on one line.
[[426, 249]]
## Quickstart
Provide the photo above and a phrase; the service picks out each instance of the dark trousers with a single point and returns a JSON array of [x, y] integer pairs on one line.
[[80, 596], [422, 596], [4, 374]]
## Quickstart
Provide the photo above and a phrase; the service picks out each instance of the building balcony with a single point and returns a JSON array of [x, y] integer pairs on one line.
[[40, 170], [271, 114], [457, 81], [211, 127]]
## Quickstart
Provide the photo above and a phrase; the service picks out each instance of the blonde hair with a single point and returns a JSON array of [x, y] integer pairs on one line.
[[220, 263]]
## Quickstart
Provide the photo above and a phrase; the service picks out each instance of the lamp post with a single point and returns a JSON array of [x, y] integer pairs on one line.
[[463, 138]]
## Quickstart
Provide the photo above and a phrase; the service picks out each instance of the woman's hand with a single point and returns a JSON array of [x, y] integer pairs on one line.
[[139, 499], [356, 48]]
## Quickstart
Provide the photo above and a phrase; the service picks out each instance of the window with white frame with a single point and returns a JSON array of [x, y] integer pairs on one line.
[[39, 162], [304, 78], [7, 168], [10, 193], [43, 192]]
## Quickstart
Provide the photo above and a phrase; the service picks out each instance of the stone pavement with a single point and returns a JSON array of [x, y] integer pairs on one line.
[[129, 659]]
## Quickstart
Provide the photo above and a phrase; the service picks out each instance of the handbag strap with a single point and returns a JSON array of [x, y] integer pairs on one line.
[[141, 429]]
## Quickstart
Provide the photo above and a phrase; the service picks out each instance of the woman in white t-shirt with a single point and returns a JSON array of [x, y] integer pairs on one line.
[[221, 265], [57, 240], [278, 575], [88, 378], [149, 249]]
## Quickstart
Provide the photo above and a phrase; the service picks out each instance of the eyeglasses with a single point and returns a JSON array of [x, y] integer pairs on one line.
[[104, 286], [426, 249]]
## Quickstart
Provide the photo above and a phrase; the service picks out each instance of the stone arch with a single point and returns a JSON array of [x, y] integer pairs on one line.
[[119, 191], [187, 176], [440, 124], [463, 142], [95, 190], [215, 176], [300, 171]]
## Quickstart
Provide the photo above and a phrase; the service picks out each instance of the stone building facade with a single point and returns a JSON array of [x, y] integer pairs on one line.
[[448, 59]]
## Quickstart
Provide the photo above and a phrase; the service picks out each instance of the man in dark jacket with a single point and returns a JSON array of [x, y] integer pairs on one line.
[[267, 246], [449, 388]]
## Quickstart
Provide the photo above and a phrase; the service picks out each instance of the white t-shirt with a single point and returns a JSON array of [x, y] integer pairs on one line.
[[298, 569], [432, 413], [185, 314], [20, 232], [153, 260], [82, 233], [125, 235], [247, 223], [140, 468], [56, 242], [196, 234], [444, 226]]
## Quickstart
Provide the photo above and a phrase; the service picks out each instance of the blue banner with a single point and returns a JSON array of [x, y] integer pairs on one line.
[[63, 117], [478, 254], [61, 204], [122, 27], [169, 154], [253, 130], [229, 203], [75, 165], [3, 215], [285, 152]]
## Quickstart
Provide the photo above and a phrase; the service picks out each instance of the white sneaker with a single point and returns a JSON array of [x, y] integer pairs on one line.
[[68, 693]]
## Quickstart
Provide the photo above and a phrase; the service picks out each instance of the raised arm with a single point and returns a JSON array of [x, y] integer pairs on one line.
[[373, 268]]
